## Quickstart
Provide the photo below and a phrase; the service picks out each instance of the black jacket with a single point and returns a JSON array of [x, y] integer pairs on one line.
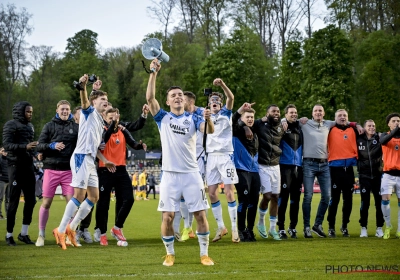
[[3, 169], [369, 156], [151, 180], [58, 131], [18, 133], [269, 138]]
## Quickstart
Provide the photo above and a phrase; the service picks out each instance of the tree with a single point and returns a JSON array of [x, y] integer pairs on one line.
[[241, 63], [14, 27], [378, 78], [327, 65], [81, 57], [84, 41], [162, 11], [287, 88]]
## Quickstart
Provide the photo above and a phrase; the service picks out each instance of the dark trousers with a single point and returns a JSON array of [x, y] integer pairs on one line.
[[366, 187], [154, 191], [291, 181], [248, 192], [21, 178], [342, 182], [123, 193]]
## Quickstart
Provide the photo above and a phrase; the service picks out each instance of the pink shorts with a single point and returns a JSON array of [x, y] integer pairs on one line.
[[53, 178]]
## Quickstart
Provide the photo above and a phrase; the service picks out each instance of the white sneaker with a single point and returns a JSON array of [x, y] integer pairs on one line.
[[379, 232], [96, 235], [40, 241], [364, 232], [87, 237]]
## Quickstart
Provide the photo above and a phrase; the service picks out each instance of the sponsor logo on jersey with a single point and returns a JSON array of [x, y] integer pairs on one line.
[[179, 130]]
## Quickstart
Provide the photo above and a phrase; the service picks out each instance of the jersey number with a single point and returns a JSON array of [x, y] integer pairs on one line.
[[230, 172]]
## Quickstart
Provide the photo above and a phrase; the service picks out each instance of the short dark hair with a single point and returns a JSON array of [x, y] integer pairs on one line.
[[370, 120], [190, 95], [288, 107], [76, 109], [220, 95], [173, 87], [95, 94], [271, 105], [391, 116], [112, 110]]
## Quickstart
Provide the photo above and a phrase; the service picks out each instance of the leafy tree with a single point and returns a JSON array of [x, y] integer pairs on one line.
[[81, 57], [287, 88], [14, 27], [378, 78], [241, 63], [327, 69]]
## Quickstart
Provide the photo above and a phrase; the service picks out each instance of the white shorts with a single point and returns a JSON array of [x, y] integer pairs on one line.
[[84, 171], [390, 182], [270, 177], [221, 169], [175, 185]]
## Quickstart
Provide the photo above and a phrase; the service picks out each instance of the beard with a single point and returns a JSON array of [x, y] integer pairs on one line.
[[272, 120]]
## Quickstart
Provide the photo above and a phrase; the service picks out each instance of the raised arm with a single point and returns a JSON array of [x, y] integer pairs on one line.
[[83, 93], [139, 123], [227, 91], [151, 88], [208, 122]]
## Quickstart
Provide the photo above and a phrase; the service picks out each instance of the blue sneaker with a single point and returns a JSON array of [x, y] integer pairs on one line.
[[274, 234], [263, 231]]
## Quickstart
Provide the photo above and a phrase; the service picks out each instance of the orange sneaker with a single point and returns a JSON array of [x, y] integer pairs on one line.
[[191, 234], [169, 260], [118, 234], [206, 260], [103, 240], [71, 235], [60, 238]]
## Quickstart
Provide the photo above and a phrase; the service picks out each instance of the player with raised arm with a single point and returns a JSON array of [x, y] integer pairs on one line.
[[180, 171], [221, 168], [84, 174]]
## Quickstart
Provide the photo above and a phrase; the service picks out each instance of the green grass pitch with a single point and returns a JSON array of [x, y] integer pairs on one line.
[[142, 259]]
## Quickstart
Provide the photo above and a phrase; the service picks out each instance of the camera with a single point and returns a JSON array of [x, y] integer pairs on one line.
[[92, 79], [207, 91]]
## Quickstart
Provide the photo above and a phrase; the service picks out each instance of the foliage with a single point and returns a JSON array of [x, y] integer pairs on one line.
[[244, 68], [287, 88], [378, 77], [327, 65]]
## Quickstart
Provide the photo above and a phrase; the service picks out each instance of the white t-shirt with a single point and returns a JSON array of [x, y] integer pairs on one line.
[[178, 140], [221, 140], [90, 132]]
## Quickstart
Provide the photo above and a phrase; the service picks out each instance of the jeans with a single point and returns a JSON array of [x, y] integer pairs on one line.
[[312, 169]]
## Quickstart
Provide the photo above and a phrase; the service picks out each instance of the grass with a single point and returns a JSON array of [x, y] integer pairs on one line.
[[266, 258]]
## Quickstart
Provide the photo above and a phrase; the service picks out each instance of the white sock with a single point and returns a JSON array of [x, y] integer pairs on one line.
[[232, 209], [203, 242], [24, 230], [70, 210], [217, 211], [386, 212], [272, 223], [184, 213], [261, 219], [177, 221], [191, 219], [83, 211], [169, 244], [42, 232], [8, 235]]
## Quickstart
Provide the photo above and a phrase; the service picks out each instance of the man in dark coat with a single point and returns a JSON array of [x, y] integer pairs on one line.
[[18, 143]]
